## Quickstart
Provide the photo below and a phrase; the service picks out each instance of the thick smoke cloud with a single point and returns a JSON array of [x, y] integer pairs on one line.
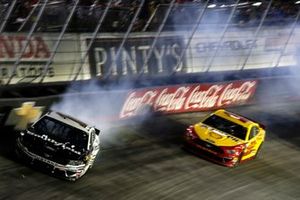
[[100, 106], [91, 103]]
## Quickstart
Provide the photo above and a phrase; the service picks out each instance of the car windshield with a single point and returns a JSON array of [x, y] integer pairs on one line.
[[61, 132], [226, 126]]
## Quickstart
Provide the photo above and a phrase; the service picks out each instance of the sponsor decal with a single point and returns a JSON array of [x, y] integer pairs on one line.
[[250, 148], [207, 148], [57, 144], [24, 115], [216, 134], [210, 141], [188, 98]]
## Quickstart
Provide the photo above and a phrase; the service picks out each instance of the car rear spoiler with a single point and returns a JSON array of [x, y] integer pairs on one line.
[[260, 124]]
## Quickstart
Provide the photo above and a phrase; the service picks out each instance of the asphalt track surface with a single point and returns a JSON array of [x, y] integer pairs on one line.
[[144, 160]]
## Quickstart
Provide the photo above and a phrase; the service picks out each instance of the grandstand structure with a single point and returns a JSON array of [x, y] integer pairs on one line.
[[67, 40]]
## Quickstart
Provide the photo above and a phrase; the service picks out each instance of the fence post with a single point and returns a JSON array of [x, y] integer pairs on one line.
[[256, 33], [29, 15], [94, 36], [8, 13], [175, 69], [216, 51], [156, 37], [55, 47], [28, 38], [288, 40], [125, 37]]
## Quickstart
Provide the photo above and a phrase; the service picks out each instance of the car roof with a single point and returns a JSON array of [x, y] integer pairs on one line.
[[238, 119], [68, 120]]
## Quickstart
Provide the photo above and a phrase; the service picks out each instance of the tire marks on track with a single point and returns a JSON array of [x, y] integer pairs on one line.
[[144, 161]]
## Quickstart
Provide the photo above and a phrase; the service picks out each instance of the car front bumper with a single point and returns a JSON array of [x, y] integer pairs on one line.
[[202, 151], [68, 172]]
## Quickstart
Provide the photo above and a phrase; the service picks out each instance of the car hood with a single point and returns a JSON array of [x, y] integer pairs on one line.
[[48, 148], [215, 136]]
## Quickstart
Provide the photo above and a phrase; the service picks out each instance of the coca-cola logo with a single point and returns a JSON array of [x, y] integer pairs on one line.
[[189, 98], [200, 98], [135, 101], [168, 100], [233, 94]]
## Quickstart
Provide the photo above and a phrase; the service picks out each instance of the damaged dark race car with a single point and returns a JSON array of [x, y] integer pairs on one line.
[[60, 144]]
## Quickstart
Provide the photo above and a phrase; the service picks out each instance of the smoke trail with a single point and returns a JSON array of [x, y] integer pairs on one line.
[[91, 103], [100, 106]]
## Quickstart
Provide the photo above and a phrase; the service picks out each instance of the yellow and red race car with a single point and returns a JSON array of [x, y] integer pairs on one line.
[[225, 138]]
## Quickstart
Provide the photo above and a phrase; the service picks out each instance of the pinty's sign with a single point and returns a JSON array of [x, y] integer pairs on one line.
[[188, 98]]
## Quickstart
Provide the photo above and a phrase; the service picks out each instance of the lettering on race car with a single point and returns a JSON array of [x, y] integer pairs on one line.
[[250, 148], [46, 138], [233, 138]]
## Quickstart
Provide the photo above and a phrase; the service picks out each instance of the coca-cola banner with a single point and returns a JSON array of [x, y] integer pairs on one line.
[[188, 98]]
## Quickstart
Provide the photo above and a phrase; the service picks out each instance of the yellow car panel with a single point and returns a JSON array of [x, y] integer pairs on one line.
[[226, 137], [214, 136]]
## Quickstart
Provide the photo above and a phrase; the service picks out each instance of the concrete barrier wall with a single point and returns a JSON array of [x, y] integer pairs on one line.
[[98, 104]]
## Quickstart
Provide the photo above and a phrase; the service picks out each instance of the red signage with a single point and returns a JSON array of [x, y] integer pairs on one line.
[[11, 47], [188, 98]]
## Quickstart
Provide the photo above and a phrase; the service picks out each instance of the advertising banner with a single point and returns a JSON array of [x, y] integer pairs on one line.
[[208, 50], [106, 58], [240, 49], [188, 98], [29, 57]]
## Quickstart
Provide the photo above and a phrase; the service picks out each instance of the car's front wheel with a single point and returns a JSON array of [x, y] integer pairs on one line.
[[237, 163], [258, 151]]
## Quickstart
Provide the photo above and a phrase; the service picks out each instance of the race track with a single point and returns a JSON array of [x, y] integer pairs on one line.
[[144, 160]]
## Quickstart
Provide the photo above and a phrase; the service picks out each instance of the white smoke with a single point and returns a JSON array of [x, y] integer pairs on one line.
[[91, 103], [100, 106]]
